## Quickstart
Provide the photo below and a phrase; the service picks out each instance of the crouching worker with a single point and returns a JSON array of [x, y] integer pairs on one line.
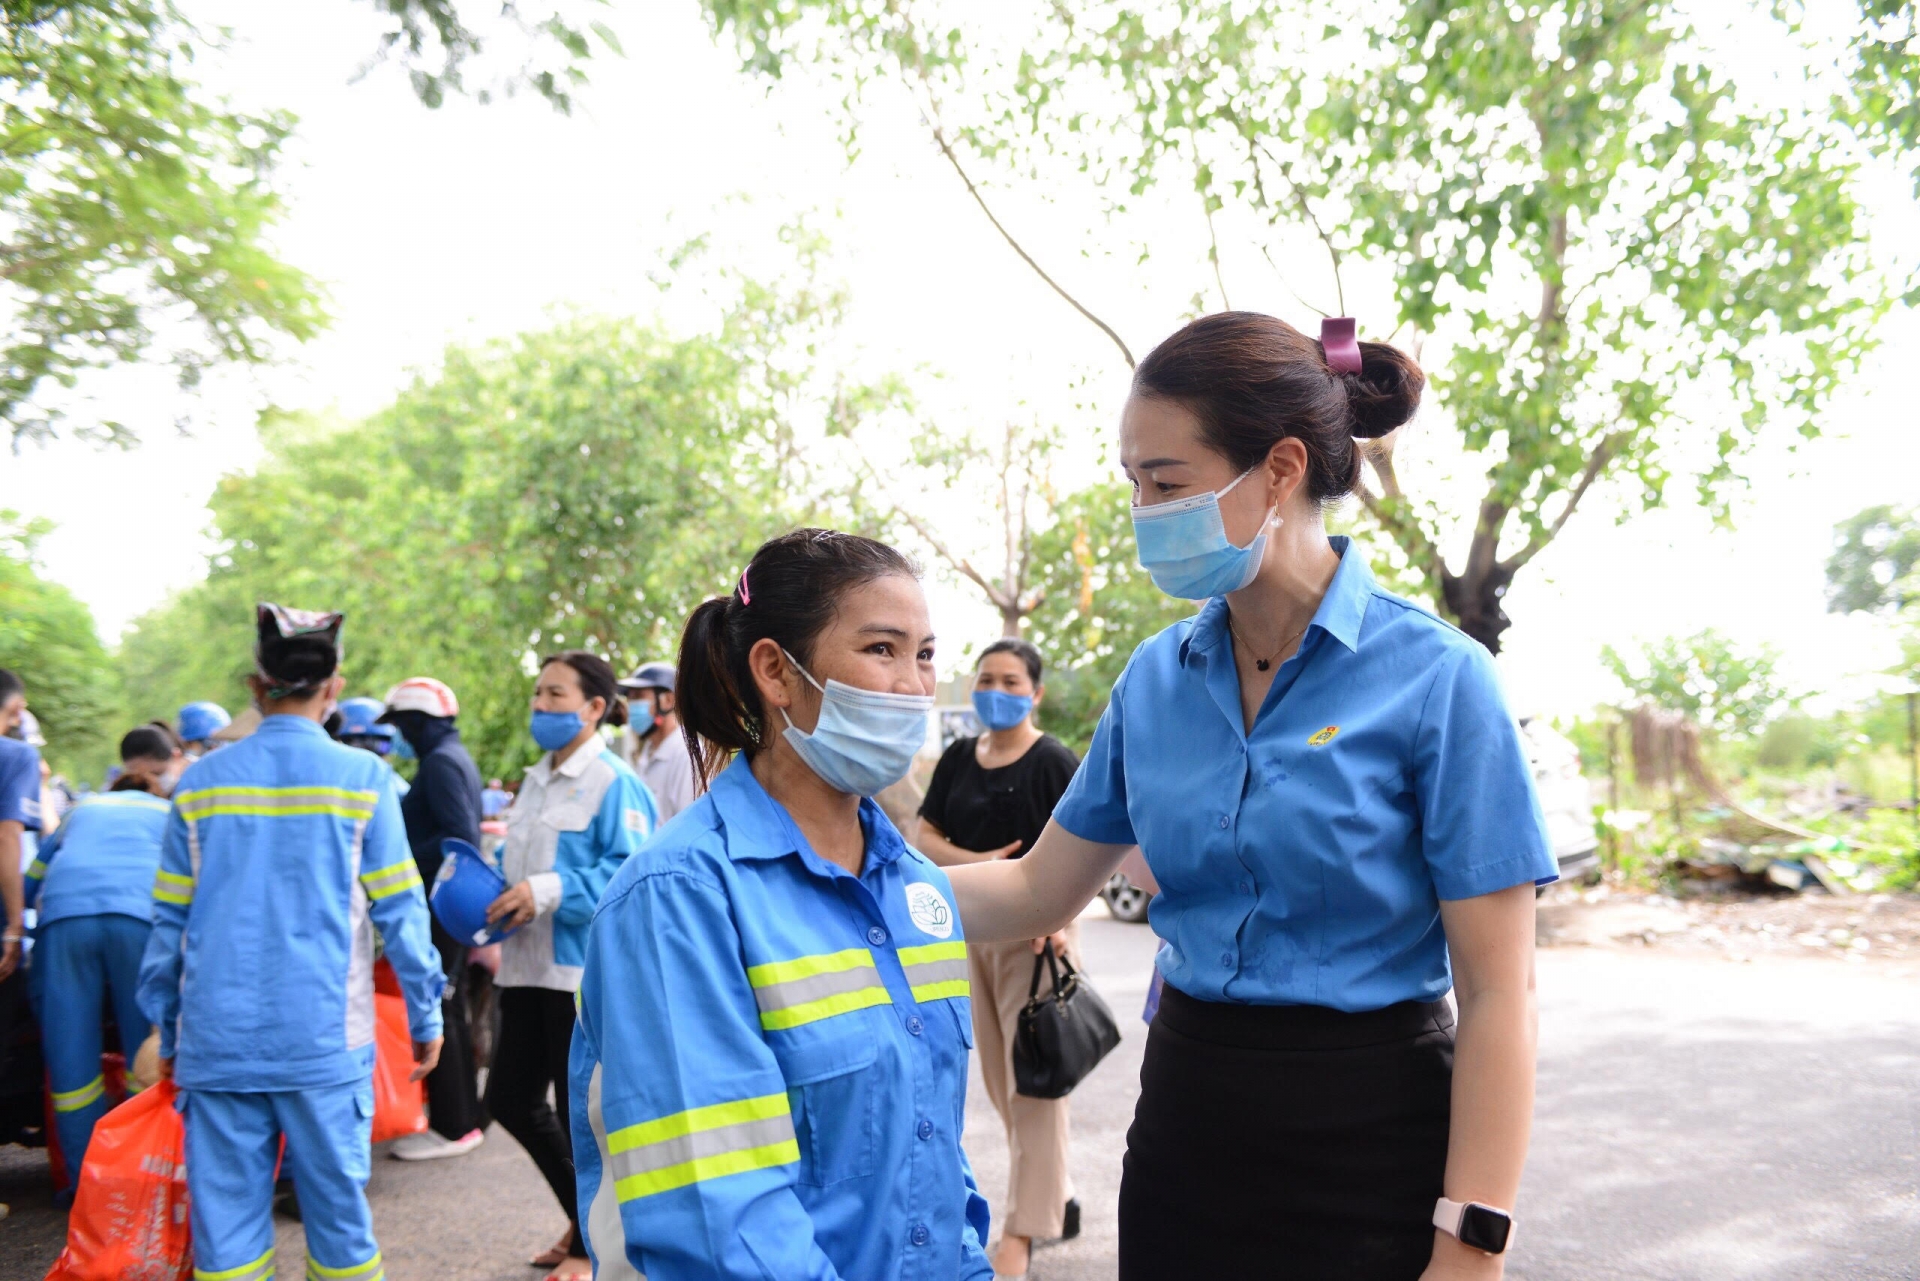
[[93, 885], [283, 853]]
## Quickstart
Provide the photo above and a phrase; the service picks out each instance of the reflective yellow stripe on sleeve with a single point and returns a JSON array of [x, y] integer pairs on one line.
[[276, 802], [36, 870], [810, 988], [700, 1144], [937, 971], [386, 881], [171, 887]]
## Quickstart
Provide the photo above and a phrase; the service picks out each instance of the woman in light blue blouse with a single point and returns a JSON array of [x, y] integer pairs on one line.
[[1332, 794]]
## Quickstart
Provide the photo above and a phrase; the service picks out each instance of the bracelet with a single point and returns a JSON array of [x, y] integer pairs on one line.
[[11, 938]]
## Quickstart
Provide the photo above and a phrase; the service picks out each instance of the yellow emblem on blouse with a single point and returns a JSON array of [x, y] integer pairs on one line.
[[1324, 736]]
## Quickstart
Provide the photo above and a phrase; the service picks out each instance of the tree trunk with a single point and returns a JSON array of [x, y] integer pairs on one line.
[[1473, 598], [1011, 618]]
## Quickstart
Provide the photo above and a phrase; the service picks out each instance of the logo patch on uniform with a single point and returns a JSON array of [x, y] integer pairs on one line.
[[637, 822], [1324, 737], [929, 909]]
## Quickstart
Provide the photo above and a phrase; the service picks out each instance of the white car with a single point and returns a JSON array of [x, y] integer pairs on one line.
[[1566, 798]]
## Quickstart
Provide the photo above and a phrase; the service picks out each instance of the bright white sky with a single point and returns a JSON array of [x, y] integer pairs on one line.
[[473, 222]]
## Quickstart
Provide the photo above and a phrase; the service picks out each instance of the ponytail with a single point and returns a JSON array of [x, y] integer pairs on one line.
[[788, 593]]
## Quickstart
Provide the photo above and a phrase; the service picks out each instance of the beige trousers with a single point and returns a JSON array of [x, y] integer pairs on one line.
[[1038, 1184]]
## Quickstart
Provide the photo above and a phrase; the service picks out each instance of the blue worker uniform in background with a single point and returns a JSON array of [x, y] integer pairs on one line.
[[772, 1057], [92, 885], [283, 853]]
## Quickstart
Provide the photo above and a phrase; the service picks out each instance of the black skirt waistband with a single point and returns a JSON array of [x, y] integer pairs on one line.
[[1297, 1027]]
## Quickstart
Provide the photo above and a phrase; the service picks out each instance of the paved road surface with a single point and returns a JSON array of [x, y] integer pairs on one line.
[[1698, 1119]]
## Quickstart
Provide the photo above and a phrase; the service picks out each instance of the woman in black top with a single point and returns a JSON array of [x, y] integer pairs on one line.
[[990, 798]]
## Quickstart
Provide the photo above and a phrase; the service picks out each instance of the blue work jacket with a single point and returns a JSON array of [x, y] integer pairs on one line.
[[1303, 861], [770, 1065], [101, 860], [284, 852]]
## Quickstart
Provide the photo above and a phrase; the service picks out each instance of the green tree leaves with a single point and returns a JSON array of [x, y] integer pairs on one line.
[[47, 638], [135, 212], [1875, 554], [1721, 686], [584, 486]]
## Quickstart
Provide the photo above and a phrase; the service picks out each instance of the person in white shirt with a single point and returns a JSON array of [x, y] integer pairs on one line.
[[653, 743]]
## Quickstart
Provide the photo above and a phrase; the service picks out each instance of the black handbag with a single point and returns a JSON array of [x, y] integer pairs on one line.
[[1063, 1034]]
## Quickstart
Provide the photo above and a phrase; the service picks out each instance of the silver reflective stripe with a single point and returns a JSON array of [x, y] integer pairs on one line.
[[359, 1028], [604, 1230], [934, 972], [691, 1147], [780, 996]]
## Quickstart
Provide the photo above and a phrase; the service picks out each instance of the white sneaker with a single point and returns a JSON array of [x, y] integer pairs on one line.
[[429, 1146]]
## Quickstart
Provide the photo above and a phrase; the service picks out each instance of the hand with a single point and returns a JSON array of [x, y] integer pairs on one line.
[[1059, 942], [1005, 851], [1453, 1261], [426, 1056], [512, 909], [9, 956], [166, 1069]]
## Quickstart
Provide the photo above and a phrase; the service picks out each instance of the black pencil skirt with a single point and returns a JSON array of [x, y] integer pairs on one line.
[[1286, 1142]]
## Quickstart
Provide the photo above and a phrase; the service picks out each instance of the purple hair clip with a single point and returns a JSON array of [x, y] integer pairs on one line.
[[746, 597], [1341, 347]]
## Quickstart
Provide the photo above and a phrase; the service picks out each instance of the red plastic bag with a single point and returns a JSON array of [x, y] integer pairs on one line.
[[399, 1105], [129, 1217]]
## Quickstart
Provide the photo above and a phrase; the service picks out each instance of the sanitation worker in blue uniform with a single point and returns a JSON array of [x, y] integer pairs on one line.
[[284, 852], [92, 884], [771, 1058]]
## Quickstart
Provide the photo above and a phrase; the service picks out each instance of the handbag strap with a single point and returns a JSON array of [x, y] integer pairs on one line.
[[1047, 957]]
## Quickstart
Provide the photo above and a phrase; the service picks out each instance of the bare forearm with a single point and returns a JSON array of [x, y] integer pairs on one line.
[[12, 892], [934, 844], [1036, 895], [1493, 1069]]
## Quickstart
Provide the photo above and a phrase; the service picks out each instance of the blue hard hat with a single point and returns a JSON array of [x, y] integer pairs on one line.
[[360, 716], [466, 886], [201, 721]]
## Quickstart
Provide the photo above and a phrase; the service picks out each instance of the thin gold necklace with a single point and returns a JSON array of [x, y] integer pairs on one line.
[[1262, 664]]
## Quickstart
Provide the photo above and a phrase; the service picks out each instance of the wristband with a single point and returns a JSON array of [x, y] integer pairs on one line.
[[1478, 1226]]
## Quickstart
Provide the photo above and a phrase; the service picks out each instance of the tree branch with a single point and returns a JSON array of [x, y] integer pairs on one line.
[[946, 149], [1603, 453], [1306, 211]]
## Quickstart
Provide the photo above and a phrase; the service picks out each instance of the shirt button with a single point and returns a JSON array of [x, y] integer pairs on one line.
[[877, 936], [1246, 887], [920, 1235], [1226, 958], [1224, 820], [914, 1025], [924, 1129]]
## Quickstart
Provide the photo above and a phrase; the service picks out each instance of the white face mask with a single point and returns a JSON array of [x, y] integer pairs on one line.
[[865, 740]]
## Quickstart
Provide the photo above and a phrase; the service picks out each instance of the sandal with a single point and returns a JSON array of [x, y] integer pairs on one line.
[[554, 1255]]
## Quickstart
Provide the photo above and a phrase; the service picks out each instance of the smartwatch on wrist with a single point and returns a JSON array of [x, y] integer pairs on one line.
[[1478, 1226]]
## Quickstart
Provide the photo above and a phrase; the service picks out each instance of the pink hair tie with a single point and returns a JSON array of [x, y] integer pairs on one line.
[[746, 597], [1338, 342]]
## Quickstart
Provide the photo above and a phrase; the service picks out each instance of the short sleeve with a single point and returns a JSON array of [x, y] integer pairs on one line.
[[20, 786], [1094, 807], [940, 787], [1481, 826]]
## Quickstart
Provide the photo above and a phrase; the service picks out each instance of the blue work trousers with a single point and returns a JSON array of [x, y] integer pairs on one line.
[[84, 968], [232, 1143]]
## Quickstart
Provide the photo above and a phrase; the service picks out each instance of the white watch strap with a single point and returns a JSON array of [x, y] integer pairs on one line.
[[1447, 1215]]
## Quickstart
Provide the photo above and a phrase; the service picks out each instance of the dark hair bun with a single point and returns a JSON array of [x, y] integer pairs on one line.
[[1385, 393]]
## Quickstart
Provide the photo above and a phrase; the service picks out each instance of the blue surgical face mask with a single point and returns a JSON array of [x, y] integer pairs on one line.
[[554, 730], [998, 709], [865, 740], [1184, 546], [639, 717]]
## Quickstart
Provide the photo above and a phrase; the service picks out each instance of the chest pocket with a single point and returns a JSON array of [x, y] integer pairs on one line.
[[830, 1083]]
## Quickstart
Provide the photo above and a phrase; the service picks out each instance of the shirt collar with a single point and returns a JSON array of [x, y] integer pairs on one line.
[[1342, 610], [759, 827], [577, 763], [288, 723]]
